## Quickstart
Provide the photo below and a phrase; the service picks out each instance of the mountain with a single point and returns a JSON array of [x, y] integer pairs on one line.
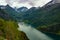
[[9, 25], [31, 10], [52, 19], [3, 14], [52, 28], [43, 16], [11, 12], [22, 9], [53, 2]]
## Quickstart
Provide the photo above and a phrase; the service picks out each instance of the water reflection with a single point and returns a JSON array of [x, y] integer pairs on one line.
[[32, 33]]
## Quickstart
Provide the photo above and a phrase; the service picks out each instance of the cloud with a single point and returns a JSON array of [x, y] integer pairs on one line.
[[16, 4], [27, 3], [30, 2], [2, 2], [22, 1]]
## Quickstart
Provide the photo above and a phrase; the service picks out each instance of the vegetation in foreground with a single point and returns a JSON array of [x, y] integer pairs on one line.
[[9, 31]]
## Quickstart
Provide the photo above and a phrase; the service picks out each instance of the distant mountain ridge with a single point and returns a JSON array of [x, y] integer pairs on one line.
[[8, 24], [36, 17], [22, 9], [47, 13], [11, 12]]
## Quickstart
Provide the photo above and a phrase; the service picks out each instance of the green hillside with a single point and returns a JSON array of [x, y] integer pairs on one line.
[[8, 25], [9, 31], [44, 18]]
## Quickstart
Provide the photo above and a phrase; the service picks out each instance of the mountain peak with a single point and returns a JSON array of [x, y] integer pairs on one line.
[[56, 1], [53, 2], [22, 9], [8, 6]]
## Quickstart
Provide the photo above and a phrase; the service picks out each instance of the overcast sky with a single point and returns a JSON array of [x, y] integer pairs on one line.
[[26, 3]]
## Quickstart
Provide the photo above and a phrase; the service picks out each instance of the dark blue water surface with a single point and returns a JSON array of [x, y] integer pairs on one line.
[[54, 36]]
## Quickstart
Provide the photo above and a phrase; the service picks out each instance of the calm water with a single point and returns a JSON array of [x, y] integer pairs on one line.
[[34, 34]]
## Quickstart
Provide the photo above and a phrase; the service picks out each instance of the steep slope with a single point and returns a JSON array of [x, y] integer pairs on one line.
[[46, 19], [8, 25], [22, 9], [3, 14], [43, 16], [52, 20], [14, 15], [52, 28], [9, 31]]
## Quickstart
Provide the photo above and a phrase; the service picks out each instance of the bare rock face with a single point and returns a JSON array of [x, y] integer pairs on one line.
[[53, 2], [56, 1]]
